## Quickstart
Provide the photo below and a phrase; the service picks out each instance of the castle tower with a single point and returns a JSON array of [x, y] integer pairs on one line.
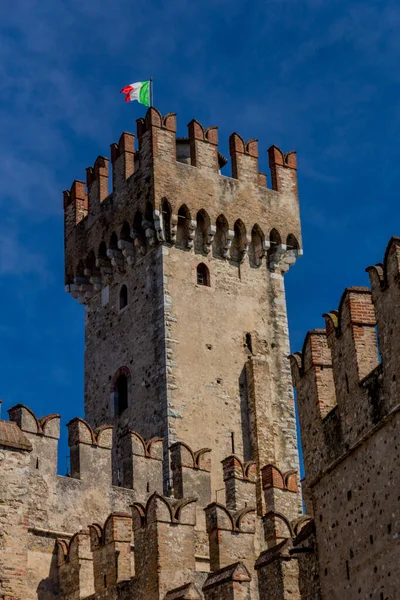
[[181, 271]]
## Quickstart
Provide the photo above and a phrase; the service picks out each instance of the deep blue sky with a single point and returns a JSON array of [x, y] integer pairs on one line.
[[318, 76]]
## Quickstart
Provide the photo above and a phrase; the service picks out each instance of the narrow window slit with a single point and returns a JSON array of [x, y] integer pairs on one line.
[[233, 442]]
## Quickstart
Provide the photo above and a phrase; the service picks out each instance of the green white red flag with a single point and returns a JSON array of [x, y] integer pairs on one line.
[[139, 91]]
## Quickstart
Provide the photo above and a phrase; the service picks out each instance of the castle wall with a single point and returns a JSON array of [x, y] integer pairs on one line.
[[40, 506], [14, 465], [67, 505], [47, 519], [346, 380], [356, 509]]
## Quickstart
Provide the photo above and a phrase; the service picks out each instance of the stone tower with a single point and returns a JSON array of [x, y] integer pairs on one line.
[[181, 271]]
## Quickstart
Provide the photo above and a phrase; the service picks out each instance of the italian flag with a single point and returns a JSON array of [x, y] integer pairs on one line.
[[139, 91]]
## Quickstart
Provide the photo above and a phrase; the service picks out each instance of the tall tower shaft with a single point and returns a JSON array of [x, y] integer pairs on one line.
[[181, 271]]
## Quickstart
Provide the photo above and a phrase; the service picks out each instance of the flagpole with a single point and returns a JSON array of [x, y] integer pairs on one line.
[[151, 92]]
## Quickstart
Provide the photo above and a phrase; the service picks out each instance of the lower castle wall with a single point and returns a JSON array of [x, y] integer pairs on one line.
[[52, 539], [37, 507], [71, 505], [357, 517], [14, 489]]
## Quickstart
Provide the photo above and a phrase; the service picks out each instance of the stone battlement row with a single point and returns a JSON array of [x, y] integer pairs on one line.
[[151, 551], [133, 463], [126, 161], [119, 531], [160, 195], [346, 373]]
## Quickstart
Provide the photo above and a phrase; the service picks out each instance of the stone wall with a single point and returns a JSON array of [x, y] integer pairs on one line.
[[14, 480], [208, 378], [131, 338], [80, 536], [346, 379]]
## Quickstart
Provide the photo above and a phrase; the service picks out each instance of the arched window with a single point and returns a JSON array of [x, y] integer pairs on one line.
[[201, 235], [80, 269], [274, 238], [220, 238], [137, 232], [92, 270], [148, 214], [274, 242], [239, 242], [166, 220], [121, 395], [123, 297], [102, 253], [90, 263], [125, 232], [249, 343], [257, 246], [203, 275], [182, 234], [113, 241], [291, 242], [148, 225], [119, 391]]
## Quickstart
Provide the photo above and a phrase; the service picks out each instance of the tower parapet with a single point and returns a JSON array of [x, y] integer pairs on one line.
[[138, 210]]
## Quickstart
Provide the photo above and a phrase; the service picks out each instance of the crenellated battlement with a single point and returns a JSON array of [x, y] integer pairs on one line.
[[75, 566], [154, 118], [191, 472], [111, 551], [232, 535], [80, 432], [170, 191], [48, 426], [385, 275], [272, 477], [127, 535], [384, 280], [344, 389], [240, 480], [96, 456], [152, 553], [160, 508]]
